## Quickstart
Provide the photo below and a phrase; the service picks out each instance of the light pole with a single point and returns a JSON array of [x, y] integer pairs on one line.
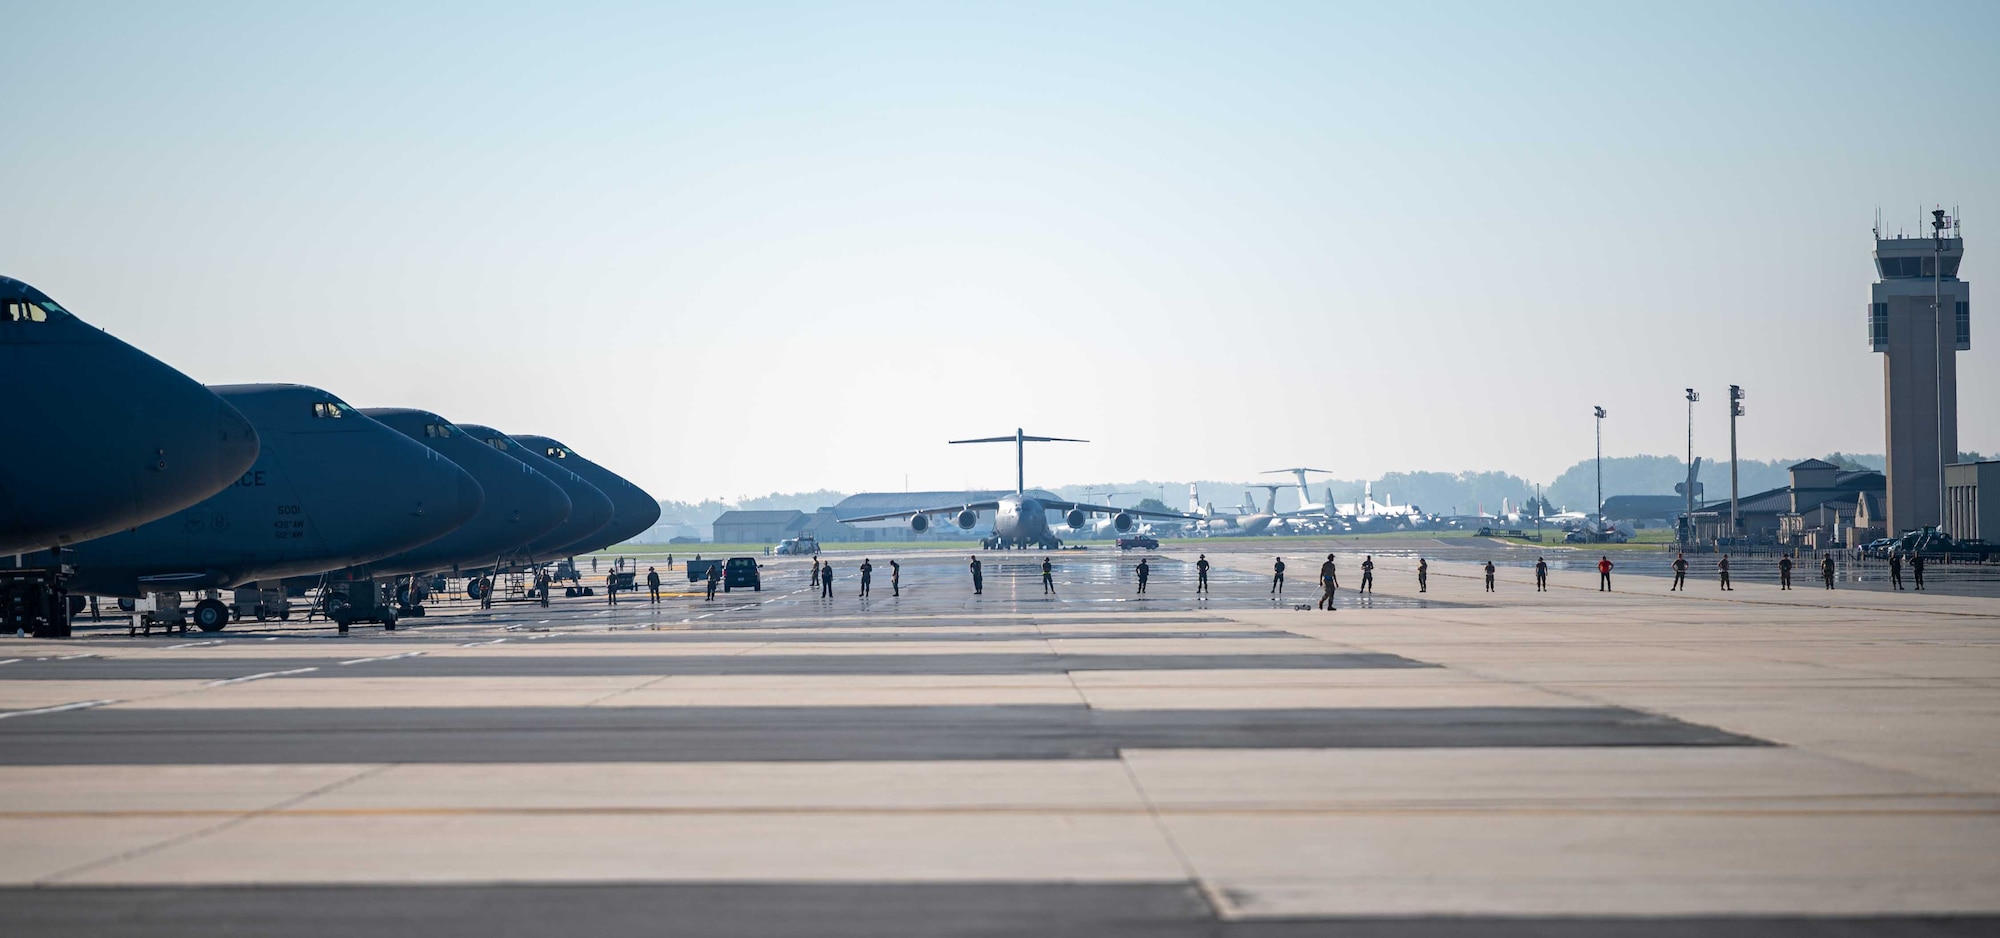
[[1692, 396], [1600, 474], [1937, 324], [1735, 411]]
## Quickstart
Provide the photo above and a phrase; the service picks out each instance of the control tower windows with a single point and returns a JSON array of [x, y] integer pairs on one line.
[[1908, 268]]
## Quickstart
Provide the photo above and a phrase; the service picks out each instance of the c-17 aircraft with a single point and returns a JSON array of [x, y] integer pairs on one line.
[[330, 489], [1021, 520], [100, 436]]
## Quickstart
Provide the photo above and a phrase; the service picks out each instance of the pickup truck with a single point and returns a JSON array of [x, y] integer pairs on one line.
[[1138, 542], [742, 571]]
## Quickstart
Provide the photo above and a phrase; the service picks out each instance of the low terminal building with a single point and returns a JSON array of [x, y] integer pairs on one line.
[[1966, 517], [758, 527], [1822, 508]]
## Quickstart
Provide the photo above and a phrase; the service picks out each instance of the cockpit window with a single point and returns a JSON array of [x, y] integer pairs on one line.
[[556, 452], [30, 310], [328, 410], [437, 431], [497, 443]]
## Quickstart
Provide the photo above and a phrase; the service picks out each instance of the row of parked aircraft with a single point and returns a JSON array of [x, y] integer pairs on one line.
[[126, 478], [1323, 517]]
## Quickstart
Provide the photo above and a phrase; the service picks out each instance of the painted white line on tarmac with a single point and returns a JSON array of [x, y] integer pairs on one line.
[[74, 657], [258, 677], [80, 705], [493, 641], [407, 654], [193, 644], [10, 661]]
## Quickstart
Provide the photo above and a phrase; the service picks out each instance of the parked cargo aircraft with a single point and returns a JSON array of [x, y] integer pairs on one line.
[[1021, 520], [330, 489], [633, 512], [1307, 507], [1218, 523], [101, 437], [590, 509], [1369, 514], [521, 504]]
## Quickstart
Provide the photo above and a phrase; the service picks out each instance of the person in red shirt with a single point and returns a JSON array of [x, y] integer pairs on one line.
[[1604, 574]]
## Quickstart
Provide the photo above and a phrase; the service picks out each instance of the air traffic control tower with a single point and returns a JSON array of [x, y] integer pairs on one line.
[[1919, 280]]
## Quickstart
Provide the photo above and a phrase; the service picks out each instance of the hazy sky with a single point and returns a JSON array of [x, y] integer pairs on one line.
[[737, 248]]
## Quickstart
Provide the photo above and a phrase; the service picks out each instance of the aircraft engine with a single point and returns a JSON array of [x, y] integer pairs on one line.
[[920, 523], [1076, 519], [966, 519], [1122, 522]]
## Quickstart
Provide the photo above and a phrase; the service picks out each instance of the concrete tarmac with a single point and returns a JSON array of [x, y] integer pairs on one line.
[[1449, 763]]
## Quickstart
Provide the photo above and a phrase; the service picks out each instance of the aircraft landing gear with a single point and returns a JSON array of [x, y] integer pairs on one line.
[[210, 615]]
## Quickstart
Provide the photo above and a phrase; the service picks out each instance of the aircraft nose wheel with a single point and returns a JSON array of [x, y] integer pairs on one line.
[[211, 615]]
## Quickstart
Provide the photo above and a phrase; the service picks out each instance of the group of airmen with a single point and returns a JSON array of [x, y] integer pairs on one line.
[[821, 576]]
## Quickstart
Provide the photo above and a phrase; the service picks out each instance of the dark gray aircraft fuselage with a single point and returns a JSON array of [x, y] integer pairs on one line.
[[633, 512], [97, 436], [521, 503], [330, 489], [590, 509]]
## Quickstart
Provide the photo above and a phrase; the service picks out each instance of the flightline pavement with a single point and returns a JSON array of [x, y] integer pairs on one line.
[[1447, 763]]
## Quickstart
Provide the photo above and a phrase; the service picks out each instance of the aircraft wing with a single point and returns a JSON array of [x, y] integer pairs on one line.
[[1111, 510], [946, 510]]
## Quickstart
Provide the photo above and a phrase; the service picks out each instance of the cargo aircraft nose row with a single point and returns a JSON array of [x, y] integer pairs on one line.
[[99, 436], [126, 478]]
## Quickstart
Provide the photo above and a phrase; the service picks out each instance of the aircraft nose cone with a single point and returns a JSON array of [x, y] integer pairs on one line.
[[237, 444], [555, 507], [471, 497], [448, 497], [465, 500]]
